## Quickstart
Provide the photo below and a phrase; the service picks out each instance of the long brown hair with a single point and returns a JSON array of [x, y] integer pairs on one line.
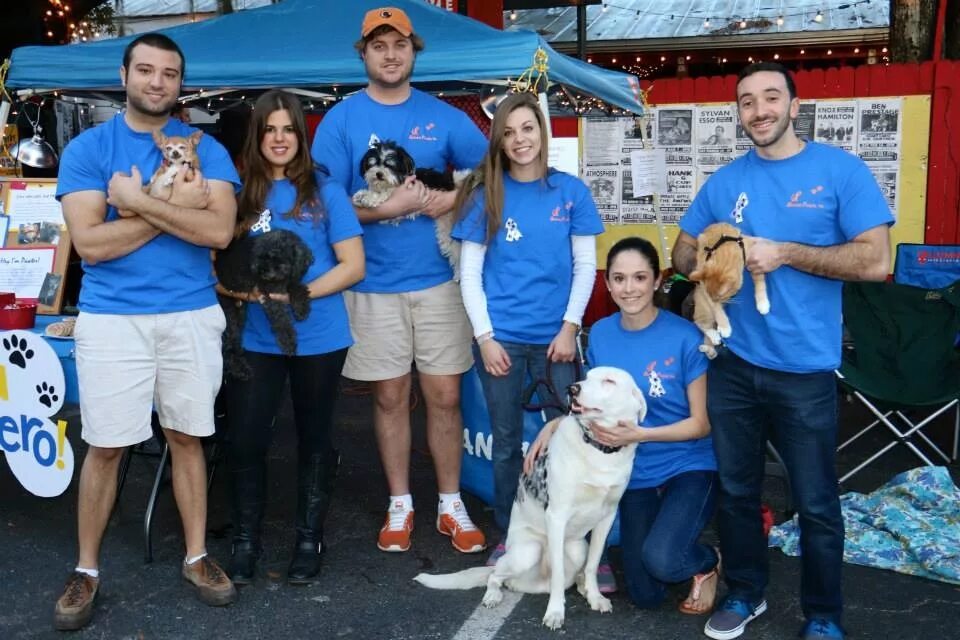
[[495, 162], [257, 174]]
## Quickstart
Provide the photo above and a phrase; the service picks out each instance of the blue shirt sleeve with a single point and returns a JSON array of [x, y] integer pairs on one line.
[[331, 147], [584, 218], [79, 167], [466, 144], [343, 219], [694, 361], [473, 225], [861, 203], [215, 162], [700, 214]]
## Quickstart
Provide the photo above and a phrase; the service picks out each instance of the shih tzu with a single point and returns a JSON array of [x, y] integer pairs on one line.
[[385, 166]]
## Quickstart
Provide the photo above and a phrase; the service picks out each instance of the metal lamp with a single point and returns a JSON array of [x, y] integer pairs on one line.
[[35, 152]]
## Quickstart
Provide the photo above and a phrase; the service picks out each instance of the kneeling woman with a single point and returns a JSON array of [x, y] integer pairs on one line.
[[281, 190], [672, 490]]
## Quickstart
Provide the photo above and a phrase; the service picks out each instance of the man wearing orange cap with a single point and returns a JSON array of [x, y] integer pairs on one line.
[[408, 309]]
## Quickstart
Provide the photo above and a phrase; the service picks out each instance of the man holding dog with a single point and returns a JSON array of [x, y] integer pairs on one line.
[[148, 334], [814, 216], [408, 308]]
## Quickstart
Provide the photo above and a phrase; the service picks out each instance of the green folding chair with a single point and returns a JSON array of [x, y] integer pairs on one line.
[[902, 363]]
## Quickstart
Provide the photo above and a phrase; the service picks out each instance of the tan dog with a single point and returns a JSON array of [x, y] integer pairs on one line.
[[721, 259], [178, 152]]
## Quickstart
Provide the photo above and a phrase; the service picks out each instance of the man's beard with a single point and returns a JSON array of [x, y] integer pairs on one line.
[[780, 127], [402, 81]]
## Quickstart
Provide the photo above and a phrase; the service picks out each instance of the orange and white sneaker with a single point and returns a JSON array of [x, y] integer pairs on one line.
[[464, 535], [395, 532]]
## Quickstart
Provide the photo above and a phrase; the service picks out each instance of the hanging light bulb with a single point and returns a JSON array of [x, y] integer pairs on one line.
[[779, 21], [513, 14], [819, 16], [706, 23], [743, 24]]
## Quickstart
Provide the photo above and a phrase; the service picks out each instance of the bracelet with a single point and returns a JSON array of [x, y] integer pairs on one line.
[[484, 337]]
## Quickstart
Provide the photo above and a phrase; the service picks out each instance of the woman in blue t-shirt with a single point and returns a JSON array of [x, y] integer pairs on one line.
[[528, 265], [672, 489], [281, 190]]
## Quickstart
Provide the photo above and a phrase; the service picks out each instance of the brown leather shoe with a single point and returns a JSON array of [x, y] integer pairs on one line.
[[213, 586], [75, 607]]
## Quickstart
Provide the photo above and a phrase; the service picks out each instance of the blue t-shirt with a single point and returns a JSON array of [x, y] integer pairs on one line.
[[821, 196], [528, 268], [402, 255], [166, 274], [326, 328], [663, 358]]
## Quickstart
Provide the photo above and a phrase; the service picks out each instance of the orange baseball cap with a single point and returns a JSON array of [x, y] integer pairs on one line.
[[390, 16]]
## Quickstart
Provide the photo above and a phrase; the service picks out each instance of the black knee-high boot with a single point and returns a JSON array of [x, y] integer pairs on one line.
[[248, 502], [315, 481]]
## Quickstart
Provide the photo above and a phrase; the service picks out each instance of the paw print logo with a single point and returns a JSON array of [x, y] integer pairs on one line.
[[430, 126], [817, 189], [18, 352], [46, 394]]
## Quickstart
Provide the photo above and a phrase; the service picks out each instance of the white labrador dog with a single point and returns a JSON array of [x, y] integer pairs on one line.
[[574, 489]]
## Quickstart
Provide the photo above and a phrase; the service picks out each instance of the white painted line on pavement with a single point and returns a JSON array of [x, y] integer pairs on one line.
[[484, 622]]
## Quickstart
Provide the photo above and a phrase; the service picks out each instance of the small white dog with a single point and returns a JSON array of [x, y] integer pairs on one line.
[[385, 166], [574, 489]]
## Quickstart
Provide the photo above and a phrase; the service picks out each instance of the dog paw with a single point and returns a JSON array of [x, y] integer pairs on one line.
[[708, 350], [599, 603], [492, 598], [763, 306], [725, 331], [553, 619], [714, 336]]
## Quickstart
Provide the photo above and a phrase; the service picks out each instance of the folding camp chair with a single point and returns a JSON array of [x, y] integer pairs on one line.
[[902, 361], [927, 265]]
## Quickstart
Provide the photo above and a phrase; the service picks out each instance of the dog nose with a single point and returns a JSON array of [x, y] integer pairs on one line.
[[574, 389], [379, 175]]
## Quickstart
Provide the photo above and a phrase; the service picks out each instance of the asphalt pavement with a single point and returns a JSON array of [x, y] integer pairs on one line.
[[368, 594]]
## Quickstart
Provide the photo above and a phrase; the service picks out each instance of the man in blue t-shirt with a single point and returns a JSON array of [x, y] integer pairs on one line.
[[816, 217], [148, 333], [408, 309]]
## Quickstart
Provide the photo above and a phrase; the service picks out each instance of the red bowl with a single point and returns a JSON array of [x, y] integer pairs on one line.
[[18, 315], [7, 297]]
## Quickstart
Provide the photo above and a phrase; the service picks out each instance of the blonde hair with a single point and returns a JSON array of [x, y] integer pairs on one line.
[[495, 162]]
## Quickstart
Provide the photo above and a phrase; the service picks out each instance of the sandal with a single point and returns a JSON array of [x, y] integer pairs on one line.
[[703, 592]]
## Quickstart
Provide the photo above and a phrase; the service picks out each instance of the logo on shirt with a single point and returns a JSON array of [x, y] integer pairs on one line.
[[655, 380], [262, 223], [561, 213], [417, 134], [799, 201], [513, 231], [742, 202]]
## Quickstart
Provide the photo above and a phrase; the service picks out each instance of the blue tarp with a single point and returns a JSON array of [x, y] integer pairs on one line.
[[309, 44]]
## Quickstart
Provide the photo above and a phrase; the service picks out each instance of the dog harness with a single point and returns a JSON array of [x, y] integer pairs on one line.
[[588, 438], [738, 239]]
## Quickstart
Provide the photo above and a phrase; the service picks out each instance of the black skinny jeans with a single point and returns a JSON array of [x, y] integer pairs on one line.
[[252, 404]]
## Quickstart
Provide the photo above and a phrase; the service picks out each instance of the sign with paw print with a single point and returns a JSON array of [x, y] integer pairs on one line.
[[31, 391]]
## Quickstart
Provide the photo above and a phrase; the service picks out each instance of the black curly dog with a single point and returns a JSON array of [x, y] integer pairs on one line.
[[273, 262]]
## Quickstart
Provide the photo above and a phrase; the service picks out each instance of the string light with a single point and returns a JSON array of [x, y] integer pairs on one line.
[[706, 23], [513, 14], [763, 21], [743, 24], [818, 17], [779, 21]]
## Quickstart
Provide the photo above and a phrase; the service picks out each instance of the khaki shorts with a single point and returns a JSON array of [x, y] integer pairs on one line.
[[391, 330], [130, 365]]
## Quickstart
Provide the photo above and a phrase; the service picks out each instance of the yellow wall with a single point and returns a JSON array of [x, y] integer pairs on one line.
[[911, 214]]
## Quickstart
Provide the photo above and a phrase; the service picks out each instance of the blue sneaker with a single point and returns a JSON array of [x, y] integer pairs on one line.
[[821, 628], [732, 617]]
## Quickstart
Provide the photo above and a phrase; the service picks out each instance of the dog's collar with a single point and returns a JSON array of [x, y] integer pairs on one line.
[[588, 438], [738, 239]]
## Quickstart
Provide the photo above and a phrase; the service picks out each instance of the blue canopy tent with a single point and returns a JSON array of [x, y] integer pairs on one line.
[[309, 44]]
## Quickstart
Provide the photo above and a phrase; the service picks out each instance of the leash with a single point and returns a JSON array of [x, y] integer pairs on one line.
[[738, 239], [551, 399]]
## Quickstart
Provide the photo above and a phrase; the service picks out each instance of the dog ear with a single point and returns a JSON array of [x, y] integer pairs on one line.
[[195, 137], [159, 139], [303, 254], [407, 165]]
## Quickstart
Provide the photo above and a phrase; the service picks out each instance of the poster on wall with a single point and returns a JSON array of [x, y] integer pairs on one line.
[[805, 123], [879, 143], [715, 135], [604, 183], [836, 124]]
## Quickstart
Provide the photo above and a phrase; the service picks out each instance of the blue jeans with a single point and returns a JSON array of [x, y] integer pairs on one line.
[[659, 529], [798, 413], [503, 395]]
